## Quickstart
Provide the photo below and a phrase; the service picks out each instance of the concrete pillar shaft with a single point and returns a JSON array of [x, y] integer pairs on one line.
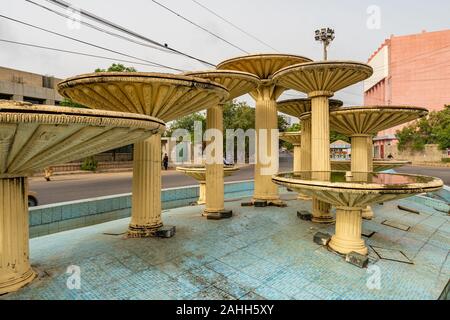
[[146, 198], [320, 134], [348, 232], [362, 161], [266, 117], [320, 151], [214, 172], [297, 158], [15, 269], [360, 154], [305, 161], [202, 193], [305, 152]]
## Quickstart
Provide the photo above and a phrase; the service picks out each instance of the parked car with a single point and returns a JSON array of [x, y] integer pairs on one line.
[[32, 199]]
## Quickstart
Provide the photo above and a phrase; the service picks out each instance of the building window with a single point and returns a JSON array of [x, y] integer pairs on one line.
[[34, 100], [5, 96]]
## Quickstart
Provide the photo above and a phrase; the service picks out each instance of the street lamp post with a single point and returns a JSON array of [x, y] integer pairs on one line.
[[326, 36]]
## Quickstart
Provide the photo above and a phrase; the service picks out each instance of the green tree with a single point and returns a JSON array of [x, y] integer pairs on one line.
[[188, 123], [117, 67], [434, 129], [236, 115], [296, 127], [69, 103], [334, 136]]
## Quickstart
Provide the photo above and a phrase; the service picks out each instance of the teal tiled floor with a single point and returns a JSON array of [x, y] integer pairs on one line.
[[261, 253]]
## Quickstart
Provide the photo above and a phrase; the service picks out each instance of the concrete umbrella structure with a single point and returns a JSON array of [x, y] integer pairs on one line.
[[362, 123], [266, 118], [164, 96], [34, 137], [320, 80], [352, 193], [199, 173], [238, 83], [297, 108]]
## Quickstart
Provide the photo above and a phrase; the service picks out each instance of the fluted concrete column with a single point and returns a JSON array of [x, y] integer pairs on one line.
[[15, 269], [305, 161], [266, 117], [202, 193], [305, 153], [360, 154], [320, 149], [348, 232], [362, 161], [297, 157], [146, 197], [214, 172]]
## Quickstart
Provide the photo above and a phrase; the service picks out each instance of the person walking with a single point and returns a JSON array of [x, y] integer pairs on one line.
[[166, 162]]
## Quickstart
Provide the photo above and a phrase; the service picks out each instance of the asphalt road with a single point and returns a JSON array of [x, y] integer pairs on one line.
[[83, 186]]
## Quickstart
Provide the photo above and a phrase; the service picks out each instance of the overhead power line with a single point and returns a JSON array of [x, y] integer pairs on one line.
[[76, 52], [90, 44], [113, 25], [199, 26], [234, 25], [101, 29]]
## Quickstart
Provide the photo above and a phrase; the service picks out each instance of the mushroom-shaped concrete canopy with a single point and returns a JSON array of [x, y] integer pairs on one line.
[[262, 65], [359, 190], [164, 96], [298, 107], [372, 119], [238, 83], [324, 76], [351, 193], [33, 137], [198, 172], [294, 138]]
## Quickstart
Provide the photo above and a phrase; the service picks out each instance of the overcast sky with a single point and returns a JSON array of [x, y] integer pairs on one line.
[[287, 25]]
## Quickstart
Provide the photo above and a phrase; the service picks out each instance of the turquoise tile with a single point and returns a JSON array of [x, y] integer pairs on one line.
[[35, 218], [56, 214]]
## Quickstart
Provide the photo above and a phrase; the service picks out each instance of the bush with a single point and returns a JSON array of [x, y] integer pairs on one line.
[[89, 164], [446, 160]]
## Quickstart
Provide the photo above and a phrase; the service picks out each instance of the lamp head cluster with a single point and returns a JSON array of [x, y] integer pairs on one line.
[[325, 35]]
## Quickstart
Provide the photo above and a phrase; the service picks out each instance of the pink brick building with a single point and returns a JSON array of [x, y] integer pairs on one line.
[[409, 70]]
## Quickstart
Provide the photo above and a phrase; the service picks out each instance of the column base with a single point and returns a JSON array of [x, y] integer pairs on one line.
[[347, 237], [367, 213], [159, 231], [264, 203], [345, 246], [324, 220], [321, 212], [218, 215], [18, 282]]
